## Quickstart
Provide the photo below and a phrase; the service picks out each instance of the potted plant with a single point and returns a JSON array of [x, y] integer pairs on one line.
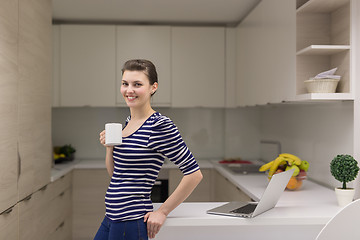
[[344, 168]]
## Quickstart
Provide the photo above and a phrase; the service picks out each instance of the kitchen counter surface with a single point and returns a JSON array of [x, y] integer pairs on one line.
[[305, 211], [254, 185]]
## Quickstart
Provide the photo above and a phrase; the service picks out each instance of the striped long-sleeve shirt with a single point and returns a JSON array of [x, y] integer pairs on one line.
[[137, 162]]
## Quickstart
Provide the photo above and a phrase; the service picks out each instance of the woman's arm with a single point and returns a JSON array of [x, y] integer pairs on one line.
[[156, 219], [109, 161]]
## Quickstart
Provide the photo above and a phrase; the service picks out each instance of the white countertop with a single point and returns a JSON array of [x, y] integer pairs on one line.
[[254, 185]]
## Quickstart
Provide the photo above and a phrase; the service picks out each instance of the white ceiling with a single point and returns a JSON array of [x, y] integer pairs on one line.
[[200, 12]]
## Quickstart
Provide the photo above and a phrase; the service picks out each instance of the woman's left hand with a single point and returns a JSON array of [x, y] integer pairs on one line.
[[154, 222]]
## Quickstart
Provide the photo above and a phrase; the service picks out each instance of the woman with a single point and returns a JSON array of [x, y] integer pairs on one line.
[[148, 137]]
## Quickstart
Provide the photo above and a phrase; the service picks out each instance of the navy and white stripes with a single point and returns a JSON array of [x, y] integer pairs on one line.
[[137, 162]]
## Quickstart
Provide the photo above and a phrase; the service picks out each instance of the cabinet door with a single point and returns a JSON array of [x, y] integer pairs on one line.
[[9, 224], [27, 218], [202, 193], [87, 64], [56, 66], [8, 103], [198, 66], [225, 191], [34, 95], [266, 54], [63, 231], [89, 188], [145, 42]]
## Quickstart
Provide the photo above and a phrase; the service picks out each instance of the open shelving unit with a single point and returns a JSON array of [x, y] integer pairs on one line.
[[322, 43]]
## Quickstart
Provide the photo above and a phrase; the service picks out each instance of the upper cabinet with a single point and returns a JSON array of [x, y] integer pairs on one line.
[[87, 65], [323, 42], [266, 54], [145, 42], [25, 104], [34, 96], [198, 66], [190, 62], [8, 106], [56, 65]]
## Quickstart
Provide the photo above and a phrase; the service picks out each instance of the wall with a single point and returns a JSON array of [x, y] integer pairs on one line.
[[315, 132], [202, 129]]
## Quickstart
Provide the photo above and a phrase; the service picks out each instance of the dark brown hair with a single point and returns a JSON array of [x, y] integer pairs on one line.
[[145, 66]]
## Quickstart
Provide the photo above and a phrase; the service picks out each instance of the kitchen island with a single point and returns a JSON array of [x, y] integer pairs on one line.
[[298, 214]]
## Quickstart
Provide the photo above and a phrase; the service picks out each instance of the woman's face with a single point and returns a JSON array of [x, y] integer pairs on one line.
[[136, 88]]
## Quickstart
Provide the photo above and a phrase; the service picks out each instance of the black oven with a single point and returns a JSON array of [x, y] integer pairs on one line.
[[160, 191]]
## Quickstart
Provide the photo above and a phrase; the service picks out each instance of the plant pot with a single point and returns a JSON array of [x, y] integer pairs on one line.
[[344, 196]]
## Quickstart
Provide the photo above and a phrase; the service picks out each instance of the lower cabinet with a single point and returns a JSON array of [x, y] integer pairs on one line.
[[202, 193], [89, 188], [41, 215], [63, 231], [9, 224], [213, 188], [73, 206], [225, 191]]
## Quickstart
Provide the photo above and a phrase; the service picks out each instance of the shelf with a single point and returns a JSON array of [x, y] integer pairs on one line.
[[323, 49], [321, 6], [324, 97]]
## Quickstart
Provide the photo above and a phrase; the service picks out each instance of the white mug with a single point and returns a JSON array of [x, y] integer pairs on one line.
[[113, 134]]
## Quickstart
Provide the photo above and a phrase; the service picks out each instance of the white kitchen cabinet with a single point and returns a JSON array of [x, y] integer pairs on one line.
[[202, 193], [266, 54], [323, 42], [8, 104], [89, 188], [230, 67], [198, 66], [87, 65], [145, 42]]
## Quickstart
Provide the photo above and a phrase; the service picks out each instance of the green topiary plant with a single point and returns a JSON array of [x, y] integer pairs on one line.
[[344, 168]]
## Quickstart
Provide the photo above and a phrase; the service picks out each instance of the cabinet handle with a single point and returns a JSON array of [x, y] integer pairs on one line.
[[19, 161], [60, 225], [27, 198], [7, 211], [43, 188], [61, 194]]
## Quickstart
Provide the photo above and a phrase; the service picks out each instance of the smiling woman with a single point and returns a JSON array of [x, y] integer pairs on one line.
[[134, 165], [139, 83]]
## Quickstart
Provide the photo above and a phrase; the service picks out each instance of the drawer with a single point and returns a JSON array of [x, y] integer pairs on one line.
[[52, 190], [59, 186], [63, 230], [39, 217], [9, 224], [57, 211], [27, 216]]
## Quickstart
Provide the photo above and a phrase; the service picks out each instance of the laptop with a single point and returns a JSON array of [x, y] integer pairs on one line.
[[267, 201]]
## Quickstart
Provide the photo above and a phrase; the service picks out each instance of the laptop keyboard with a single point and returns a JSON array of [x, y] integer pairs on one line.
[[247, 209]]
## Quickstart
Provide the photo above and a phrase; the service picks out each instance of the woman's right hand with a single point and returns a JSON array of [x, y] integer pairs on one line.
[[102, 138]]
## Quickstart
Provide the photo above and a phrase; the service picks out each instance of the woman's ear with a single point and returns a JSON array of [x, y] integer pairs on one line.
[[154, 88]]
